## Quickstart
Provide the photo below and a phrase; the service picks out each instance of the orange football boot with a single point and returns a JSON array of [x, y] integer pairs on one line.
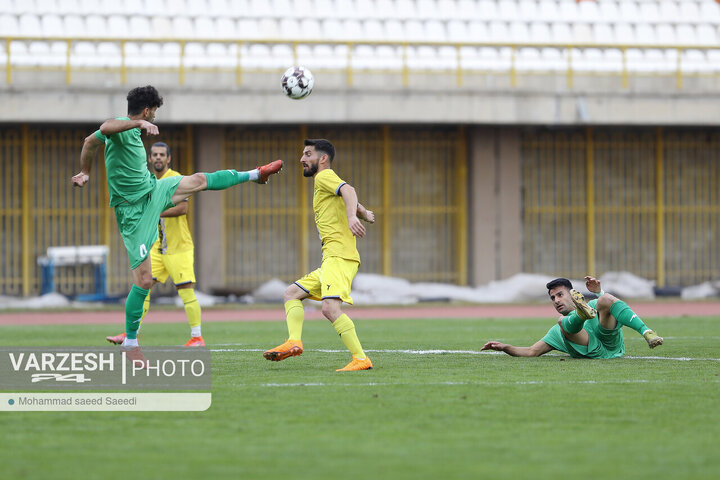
[[269, 169], [291, 348], [357, 364]]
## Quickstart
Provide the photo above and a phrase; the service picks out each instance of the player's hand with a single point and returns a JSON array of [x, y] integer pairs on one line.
[[592, 284], [150, 128], [369, 216], [493, 346], [356, 227], [80, 179]]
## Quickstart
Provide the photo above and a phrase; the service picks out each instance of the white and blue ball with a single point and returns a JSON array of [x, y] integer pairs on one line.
[[297, 82]]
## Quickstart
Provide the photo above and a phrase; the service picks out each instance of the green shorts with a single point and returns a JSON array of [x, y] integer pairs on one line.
[[138, 221], [602, 343]]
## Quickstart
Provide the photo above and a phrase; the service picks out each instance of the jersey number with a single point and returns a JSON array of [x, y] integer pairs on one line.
[[143, 250]]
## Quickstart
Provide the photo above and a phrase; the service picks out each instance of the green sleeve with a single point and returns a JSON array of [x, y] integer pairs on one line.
[[100, 136]]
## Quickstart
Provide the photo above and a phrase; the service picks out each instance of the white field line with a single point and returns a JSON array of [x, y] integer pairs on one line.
[[518, 383], [459, 352]]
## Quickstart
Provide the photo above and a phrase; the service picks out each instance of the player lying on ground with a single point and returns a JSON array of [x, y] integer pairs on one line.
[[337, 216], [138, 197], [585, 329], [172, 255]]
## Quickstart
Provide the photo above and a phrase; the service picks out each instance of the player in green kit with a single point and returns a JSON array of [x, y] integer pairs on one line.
[[586, 329], [138, 197]]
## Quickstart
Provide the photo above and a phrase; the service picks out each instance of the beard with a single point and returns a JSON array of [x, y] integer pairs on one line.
[[158, 167], [310, 171]]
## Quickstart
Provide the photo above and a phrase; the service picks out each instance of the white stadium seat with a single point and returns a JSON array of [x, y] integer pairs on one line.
[[630, 12], [182, 27], [457, 31], [51, 26], [614, 22], [324, 8], [226, 27], [30, 25], [478, 32], [74, 26], [96, 26], [309, 30], [710, 12], [140, 27], [9, 25], [205, 28], [161, 27], [118, 26], [373, 30], [414, 31]]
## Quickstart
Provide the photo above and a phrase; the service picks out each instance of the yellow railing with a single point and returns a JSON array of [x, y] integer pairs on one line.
[[411, 178], [514, 65], [643, 201], [40, 209]]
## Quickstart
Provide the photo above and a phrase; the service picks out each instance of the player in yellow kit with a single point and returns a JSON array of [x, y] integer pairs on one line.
[[337, 216], [173, 254]]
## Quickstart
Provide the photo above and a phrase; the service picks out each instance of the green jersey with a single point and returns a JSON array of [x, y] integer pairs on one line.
[[128, 176], [602, 343]]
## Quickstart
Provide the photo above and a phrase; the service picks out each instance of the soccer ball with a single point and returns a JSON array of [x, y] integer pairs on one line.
[[297, 82]]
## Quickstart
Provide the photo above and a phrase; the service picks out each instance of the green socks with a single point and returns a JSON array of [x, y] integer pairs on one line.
[[223, 179], [625, 316], [134, 310], [295, 315], [572, 323]]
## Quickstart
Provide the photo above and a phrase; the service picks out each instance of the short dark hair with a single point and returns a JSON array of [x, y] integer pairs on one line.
[[323, 146], [161, 144], [143, 97], [559, 282]]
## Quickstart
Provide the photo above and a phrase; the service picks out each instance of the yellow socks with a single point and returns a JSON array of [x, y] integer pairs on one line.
[[346, 329], [295, 315], [192, 309]]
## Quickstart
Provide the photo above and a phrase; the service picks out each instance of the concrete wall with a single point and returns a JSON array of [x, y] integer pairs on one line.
[[495, 223], [336, 103], [208, 211]]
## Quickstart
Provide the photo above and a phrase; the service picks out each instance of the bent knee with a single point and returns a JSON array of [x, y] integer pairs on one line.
[[331, 311], [605, 302], [293, 292]]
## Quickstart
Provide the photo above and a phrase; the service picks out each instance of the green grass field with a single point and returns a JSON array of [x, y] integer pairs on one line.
[[437, 416]]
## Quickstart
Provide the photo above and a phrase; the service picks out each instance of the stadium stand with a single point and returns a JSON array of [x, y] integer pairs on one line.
[[649, 24]]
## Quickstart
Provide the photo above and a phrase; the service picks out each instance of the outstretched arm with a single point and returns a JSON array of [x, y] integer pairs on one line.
[[540, 348], [87, 155], [116, 126], [365, 214], [351, 208]]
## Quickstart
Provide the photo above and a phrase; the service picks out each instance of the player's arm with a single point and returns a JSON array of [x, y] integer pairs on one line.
[[87, 155], [176, 211], [365, 214], [593, 285], [351, 208], [539, 348], [116, 126]]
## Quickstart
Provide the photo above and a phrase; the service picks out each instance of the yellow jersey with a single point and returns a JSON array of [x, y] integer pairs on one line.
[[331, 217], [173, 232]]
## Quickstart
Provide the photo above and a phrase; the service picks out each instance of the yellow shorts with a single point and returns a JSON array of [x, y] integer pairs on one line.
[[178, 266], [332, 280]]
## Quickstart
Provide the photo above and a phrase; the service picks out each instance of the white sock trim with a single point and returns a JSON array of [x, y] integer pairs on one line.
[[254, 174]]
